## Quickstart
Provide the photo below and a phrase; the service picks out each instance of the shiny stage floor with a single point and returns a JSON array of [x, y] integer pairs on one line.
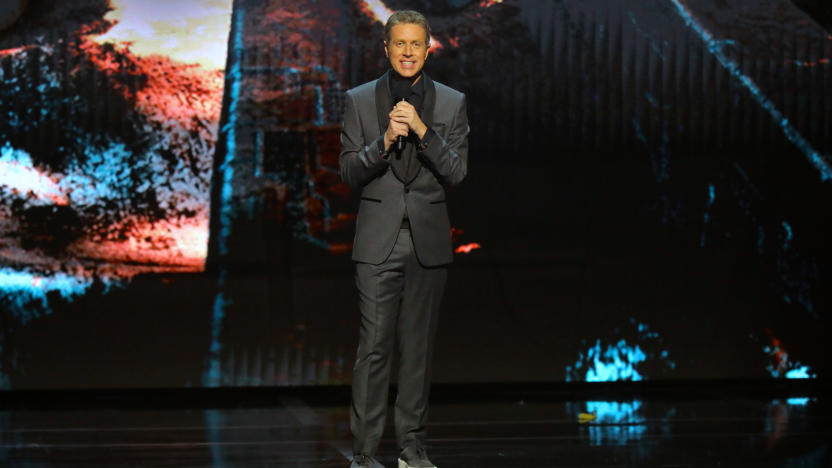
[[541, 431]]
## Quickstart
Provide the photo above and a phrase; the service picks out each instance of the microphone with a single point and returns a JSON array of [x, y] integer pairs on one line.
[[400, 138]]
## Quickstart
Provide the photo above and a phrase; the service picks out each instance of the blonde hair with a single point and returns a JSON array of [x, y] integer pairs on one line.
[[407, 17]]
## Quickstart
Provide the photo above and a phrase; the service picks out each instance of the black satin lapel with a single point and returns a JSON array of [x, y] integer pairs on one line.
[[384, 102], [429, 102]]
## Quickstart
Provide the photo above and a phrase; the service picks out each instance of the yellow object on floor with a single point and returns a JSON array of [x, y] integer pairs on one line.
[[587, 417]]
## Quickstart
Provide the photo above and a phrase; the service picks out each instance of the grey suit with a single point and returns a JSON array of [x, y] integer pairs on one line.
[[400, 272], [384, 195]]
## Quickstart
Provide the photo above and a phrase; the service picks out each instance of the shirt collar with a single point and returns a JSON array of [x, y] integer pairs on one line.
[[415, 88]]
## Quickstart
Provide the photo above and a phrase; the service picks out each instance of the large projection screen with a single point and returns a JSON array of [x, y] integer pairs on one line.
[[648, 194]]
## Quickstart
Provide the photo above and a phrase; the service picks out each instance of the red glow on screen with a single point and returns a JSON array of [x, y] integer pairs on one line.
[[467, 248], [378, 11], [779, 354], [339, 248], [14, 50]]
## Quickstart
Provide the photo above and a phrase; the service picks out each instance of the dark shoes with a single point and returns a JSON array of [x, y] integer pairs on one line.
[[414, 457], [363, 461]]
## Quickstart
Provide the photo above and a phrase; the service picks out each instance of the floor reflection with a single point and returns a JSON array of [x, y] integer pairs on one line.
[[294, 432]]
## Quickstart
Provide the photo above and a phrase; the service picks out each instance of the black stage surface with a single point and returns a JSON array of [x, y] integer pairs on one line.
[[728, 424]]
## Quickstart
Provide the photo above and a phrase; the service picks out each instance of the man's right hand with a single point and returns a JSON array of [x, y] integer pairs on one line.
[[394, 130]]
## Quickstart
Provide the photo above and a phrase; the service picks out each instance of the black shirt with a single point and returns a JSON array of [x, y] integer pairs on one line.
[[401, 87], [405, 164]]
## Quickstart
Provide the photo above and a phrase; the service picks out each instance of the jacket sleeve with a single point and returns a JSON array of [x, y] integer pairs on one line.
[[449, 157], [359, 161]]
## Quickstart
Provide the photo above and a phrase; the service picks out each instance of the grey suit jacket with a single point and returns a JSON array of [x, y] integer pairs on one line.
[[384, 196]]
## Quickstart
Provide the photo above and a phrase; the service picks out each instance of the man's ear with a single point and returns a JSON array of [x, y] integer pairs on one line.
[[386, 53]]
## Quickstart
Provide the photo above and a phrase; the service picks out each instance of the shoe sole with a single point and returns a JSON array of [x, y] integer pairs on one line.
[[403, 464]]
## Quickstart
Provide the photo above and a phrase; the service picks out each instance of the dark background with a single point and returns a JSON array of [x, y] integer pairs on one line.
[[641, 184]]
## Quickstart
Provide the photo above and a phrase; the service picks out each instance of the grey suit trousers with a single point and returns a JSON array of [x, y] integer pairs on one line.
[[399, 303]]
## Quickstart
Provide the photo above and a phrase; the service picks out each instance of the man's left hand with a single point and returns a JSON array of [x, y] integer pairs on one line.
[[404, 112]]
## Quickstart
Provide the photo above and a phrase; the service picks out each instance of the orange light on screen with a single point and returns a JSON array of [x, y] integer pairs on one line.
[[14, 50], [188, 31], [377, 10], [467, 248]]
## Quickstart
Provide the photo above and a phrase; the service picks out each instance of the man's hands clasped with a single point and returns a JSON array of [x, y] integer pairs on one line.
[[403, 119]]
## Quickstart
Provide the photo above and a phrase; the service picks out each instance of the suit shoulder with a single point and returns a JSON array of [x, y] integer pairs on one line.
[[363, 90], [446, 92]]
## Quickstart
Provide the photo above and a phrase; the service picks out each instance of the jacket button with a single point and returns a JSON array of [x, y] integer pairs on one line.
[[407, 190]]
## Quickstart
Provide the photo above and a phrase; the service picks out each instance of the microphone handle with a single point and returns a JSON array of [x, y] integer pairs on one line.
[[400, 138]]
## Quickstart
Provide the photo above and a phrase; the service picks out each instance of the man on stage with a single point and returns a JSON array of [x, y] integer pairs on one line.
[[404, 140]]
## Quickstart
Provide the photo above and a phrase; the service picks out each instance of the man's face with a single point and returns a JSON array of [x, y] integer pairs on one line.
[[407, 49]]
